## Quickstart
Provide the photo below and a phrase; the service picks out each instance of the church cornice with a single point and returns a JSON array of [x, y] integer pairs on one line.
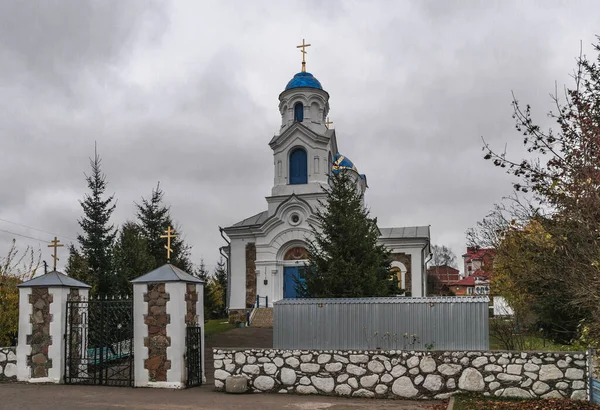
[[280, 139]]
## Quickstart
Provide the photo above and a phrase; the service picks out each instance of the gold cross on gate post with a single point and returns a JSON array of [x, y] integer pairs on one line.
[[328, 123], [55, 243], [170, 233], [303, 51]]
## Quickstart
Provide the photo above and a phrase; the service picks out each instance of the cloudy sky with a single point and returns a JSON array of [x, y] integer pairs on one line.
[[185, 93]]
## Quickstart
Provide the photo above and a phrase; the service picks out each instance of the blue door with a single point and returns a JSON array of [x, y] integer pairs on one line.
[[290, 273]]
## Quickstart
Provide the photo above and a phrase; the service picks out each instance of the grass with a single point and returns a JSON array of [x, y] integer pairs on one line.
[[216, 326], [478, 402], [537, 343]]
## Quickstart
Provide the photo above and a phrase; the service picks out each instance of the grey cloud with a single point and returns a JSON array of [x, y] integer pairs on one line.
[[186, 94]]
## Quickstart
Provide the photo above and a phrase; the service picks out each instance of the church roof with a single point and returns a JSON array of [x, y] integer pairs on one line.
[[257, 219], [303, 79], [53, 278], [405, 232]]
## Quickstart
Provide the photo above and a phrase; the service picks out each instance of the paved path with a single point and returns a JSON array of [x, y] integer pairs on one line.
[[15, 396]]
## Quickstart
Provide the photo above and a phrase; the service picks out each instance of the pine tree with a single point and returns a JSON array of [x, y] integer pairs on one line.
[[97, 239], [154, 219], [344, 257], [131, 256]]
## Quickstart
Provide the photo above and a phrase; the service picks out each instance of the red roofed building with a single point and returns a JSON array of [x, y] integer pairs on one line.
[[478, 271], [439, 278], [477, 258]]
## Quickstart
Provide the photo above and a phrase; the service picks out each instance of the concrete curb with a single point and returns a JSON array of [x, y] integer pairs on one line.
[[450, 404]]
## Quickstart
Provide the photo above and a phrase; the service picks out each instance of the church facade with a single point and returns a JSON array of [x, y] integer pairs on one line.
[[266, 251]]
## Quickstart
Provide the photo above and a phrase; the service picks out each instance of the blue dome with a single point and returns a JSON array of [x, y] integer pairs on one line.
[[303, 79], [342, 162]]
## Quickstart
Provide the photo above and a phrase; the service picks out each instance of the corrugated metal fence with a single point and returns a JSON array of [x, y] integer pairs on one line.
[[439, 323]]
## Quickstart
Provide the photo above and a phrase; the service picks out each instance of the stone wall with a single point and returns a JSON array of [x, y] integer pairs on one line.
[[191, 300], [8, 364], [157, 341], [39, 339], [250, 275], [407, 374]]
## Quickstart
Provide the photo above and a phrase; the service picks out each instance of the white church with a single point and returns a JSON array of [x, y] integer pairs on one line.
[[266, 251]]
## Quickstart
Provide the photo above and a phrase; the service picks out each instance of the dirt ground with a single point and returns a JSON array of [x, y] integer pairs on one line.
[[19, 396]]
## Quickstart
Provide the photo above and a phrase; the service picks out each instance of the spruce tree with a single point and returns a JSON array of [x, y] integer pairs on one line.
[[154, 219], [97, 239], [221, 279], [201, 272], [344, 257], [131, 257]]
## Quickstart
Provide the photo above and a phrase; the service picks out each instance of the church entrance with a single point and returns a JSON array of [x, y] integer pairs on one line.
[[294, 260], [290, 275]]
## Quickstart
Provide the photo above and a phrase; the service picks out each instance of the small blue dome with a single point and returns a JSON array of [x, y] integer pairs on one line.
[[342, 162], [304, 79]]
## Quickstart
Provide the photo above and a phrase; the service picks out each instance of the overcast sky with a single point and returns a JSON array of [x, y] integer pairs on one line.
[[185, 93]]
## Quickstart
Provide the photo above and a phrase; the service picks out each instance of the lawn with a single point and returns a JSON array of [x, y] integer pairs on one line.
[[476, 402], [216, 326], [536, 343]]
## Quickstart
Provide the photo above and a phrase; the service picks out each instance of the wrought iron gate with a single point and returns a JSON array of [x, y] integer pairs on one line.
[[99, 342], [193, 345]]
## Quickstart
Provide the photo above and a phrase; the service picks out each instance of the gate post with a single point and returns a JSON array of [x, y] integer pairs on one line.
[[165, 301], [42, 326]]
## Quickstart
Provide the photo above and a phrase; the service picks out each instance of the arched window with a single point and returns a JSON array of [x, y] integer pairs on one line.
[[298, 167], [299, 112], [329, 162]]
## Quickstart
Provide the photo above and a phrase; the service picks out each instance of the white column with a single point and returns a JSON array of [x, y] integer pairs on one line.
[[416, 273], [56, 351], [140, 332], [25, 328], [238, 274], [176, 310]]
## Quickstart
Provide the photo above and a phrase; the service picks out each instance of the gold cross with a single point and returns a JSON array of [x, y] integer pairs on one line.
[[303, 51], [55, 243], [328, 123], [169, 235]]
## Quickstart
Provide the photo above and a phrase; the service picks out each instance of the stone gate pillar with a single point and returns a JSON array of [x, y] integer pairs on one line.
[[165, 302], [42, 325]]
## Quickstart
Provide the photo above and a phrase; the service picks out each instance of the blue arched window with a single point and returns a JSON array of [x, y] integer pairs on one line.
[[298, 167], [299, 112]]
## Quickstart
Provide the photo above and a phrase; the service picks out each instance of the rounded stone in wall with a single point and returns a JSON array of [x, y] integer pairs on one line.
[[427, 365], [433, 382], [375, 366], [325, 384], [264, 383], [288, 376], [471, 380], [404, 387], [381, 389], [369, 381], [343, 390], [323, 358], [363, 393], [306, 390]]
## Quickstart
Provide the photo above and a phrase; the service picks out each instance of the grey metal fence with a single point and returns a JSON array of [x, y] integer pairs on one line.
[[438, 323]]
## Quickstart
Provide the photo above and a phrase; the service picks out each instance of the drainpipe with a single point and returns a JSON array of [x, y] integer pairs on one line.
[[224, 255], [424, 267]]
